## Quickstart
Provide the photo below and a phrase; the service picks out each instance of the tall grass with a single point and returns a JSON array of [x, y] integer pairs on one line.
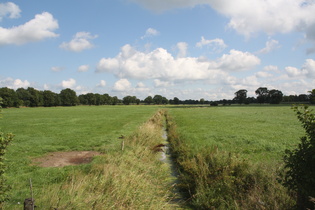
[[214, 178]]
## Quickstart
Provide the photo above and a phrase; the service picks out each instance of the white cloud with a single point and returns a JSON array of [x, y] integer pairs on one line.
[[83, 68], [160, 64], [57, 68], [150, 32], [182, 49], [307, 70], [236, 61], [263, 74], [159, 83], [102, 83], [217, 45], [80, 42], [37, 29], [9, 10], [270, 46], [271, 68], [70, 83], [122, 85], [14, 83], [269, 16]]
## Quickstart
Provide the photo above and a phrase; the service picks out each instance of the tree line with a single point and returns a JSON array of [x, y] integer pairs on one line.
[[30, 97]]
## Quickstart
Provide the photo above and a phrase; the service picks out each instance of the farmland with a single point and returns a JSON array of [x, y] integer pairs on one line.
[[259, 134]]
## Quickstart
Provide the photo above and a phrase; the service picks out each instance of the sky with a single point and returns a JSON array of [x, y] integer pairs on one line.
[[190, 49]]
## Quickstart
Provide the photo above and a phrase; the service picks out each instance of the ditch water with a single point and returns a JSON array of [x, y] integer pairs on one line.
[[166, 158]]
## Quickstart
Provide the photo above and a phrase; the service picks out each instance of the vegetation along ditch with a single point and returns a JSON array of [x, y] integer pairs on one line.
[[181, 158]]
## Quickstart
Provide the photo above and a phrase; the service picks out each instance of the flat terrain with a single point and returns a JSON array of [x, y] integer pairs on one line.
[[259, 133]]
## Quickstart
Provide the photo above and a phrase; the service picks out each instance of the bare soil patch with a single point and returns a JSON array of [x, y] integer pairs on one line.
[[60, 159]]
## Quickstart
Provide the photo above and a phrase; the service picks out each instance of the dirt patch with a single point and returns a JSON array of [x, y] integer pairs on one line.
[[60, 159]]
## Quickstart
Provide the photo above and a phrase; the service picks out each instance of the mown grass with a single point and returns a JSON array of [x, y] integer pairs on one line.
[[42, 130], [258, 133]]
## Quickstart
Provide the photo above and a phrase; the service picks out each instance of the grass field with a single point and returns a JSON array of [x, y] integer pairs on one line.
[[259, 134]]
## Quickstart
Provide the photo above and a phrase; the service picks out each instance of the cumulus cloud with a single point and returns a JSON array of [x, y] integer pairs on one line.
[[9, 10], [81, 41], [307, 70], [270, 46], [14, 83], [150, 32], [236, 61], [122, 85], [102, 83], [83, 68], [269, 16], [160, 64], [70, 83], [37, 29], [182, 49], [217, 45]]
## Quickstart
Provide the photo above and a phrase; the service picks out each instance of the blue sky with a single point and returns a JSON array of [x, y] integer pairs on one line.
[[187, 49]]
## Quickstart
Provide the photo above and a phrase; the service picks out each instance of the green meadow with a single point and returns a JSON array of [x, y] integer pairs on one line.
[[126, 179], [258, 133]]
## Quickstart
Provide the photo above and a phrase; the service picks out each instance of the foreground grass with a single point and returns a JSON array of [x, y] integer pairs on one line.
[[231, 157], [119, 174]]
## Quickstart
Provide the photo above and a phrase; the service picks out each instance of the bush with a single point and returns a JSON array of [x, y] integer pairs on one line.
[[300, 162], [5, 140]]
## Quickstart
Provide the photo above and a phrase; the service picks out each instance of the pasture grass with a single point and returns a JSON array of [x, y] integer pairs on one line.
[[42, 130], [224, 178], [257, 133]]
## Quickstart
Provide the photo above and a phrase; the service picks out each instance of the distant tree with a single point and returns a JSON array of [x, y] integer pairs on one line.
[[164, 100], [9, 97], [99, 99], [262, 95], [275, 96], [49, 98], [68, 97], [91, 100], [312, 96], [34, 97], [107, 99], [176, 100], [157, 99], [241, 96], [127, 100], [138, 101], [148, 100], [82, 99], [303, 98], [24, 96], [202, 101], [115, 100]]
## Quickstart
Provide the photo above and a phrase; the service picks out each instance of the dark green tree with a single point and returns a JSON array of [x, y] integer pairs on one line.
[[115, 100], [127, 100], [262, 95], [300, 162], [9, 97], [148, 100], [91, 100], [107, 99], [240, 96], [157, 99], [34, 97], [275, 96], [68, 97], [24, 96], [176, 100], [49, 98], [312, 96]]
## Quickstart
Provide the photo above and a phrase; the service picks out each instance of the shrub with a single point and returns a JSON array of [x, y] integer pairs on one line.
[[300, 162], [5, 140]]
